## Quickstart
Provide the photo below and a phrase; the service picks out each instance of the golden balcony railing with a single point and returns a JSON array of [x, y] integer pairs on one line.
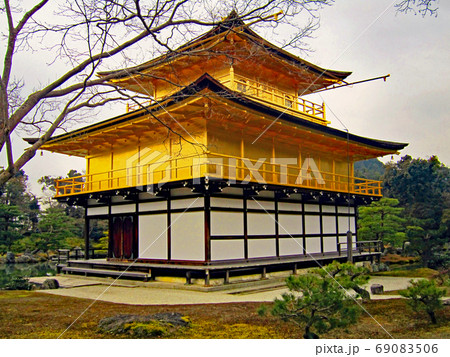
[[212, 165], [277, 98], [134, 106], [264, 93]]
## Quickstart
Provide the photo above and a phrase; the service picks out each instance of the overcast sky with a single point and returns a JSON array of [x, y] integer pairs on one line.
[[368, 38]]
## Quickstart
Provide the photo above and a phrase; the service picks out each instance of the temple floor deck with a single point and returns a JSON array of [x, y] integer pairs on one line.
[[218, 270]]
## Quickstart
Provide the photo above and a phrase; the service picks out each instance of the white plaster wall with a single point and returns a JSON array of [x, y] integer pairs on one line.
[[290, 224], [153, 206], [226, 202], [328, 209], [259, 248], [343, 224], [291, 246], [312, 224], [131, 208], [227, 223], [344, 209], [329, 224], [92, 211], [311, 208], [260, 223], [188, 236], [153, 236], [227, 249], [287, 206], [262, 205], [329, 244], [187, 203], [312, 245]]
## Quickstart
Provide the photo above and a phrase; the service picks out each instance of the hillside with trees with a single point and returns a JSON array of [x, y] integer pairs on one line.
[[29, 223], [415, 210]]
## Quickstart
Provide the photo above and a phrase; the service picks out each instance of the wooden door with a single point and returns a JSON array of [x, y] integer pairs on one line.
[[123, 238], [117, 237], [128, 230]]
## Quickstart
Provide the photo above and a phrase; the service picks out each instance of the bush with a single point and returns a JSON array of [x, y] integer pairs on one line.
[[348, 276], [18, 283], [315, 302], [424, 295]]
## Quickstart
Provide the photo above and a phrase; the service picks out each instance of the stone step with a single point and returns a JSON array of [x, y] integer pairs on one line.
[[120, 274]]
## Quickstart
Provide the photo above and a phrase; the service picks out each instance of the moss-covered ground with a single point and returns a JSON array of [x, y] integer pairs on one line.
[[28, 314]]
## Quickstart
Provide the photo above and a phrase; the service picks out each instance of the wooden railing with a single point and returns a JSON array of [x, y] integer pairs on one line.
[[287, 102], [213, 165], [78, 253], [269, 95], [134, 106], [367, 246]]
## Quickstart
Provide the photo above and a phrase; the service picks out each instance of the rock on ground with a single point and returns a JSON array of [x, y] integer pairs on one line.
[[376, 289], [144, 326], [10, 258], [50, 284]]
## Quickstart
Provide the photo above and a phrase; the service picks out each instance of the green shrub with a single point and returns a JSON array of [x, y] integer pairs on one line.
[[315, 302], [424, 295], [18, 283]]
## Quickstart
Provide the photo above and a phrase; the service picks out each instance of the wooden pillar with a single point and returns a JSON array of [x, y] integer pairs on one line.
[[303, 229], [232, 85], [349, 246], [321, 229], [245, 227], [227, 277], [264, 273], [169, 230], [207, 202], [207, 277], [277, 229], [188, 278], [86, 235]]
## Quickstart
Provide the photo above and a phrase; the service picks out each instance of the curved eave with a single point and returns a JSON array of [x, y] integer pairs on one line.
[[208, 82], [236, 26]]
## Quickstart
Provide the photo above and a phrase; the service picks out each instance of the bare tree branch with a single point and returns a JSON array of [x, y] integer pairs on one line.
[[86, 35], [424, 7]]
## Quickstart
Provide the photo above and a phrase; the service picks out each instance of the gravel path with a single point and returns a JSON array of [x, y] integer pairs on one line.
[[146, 294]]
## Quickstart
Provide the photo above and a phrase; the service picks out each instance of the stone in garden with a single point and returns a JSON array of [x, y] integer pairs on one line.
[[144, 326], [50, 284], [376, 289], [10, 258], [25, 259], [367, 265]]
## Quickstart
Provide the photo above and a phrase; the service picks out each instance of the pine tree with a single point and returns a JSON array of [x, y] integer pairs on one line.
[[382, 221], [315, 302]]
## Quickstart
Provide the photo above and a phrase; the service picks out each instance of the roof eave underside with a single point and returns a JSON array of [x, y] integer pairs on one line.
[[207, 82]]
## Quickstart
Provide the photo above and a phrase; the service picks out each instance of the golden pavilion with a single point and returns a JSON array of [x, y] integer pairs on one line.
[[225, 168]]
